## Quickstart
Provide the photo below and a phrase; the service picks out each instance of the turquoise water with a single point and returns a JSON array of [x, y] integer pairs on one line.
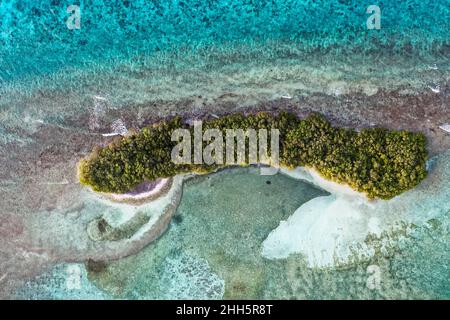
[[212, 250], [145, 52], [34, 38], [213, 246]]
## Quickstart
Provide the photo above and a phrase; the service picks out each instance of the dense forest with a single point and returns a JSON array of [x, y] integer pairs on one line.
[[378, 162]]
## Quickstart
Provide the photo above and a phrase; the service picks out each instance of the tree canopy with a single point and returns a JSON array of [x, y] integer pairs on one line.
[[378, 162]]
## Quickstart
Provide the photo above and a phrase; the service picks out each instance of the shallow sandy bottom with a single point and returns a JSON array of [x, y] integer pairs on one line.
[[213, 241], [213, 249], [45, 129]]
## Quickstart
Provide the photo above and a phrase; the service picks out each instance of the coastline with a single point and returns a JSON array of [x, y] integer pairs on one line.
[[345, 220], [362, 252], [312, 176], [64, 91], [41, 151], [161, 188], [345, 227], [131, 205], [158, 210]]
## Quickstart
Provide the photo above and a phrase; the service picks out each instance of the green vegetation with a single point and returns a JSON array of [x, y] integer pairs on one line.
[[378, 162]]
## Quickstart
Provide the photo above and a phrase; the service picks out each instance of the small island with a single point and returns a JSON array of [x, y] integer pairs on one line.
[[378, 162]]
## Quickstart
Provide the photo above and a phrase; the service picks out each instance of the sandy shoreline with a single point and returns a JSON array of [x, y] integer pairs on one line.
[[346, 226], [140, 197], [41, 190]]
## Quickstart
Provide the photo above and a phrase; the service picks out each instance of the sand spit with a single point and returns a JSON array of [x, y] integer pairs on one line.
[[145, 192], [335, 230], [157, 213]]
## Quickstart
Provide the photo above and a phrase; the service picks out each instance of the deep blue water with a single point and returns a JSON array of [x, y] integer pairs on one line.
[[35, 40]]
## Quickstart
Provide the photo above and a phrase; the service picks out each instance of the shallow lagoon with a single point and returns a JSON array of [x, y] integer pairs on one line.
[[213, 246], [212, 250]]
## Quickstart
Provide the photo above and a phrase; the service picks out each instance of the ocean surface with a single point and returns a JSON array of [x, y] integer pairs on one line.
[[37, 35], [147, 53]]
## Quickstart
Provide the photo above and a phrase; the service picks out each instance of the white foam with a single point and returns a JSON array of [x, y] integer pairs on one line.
[[435, 89], [445, 127]]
